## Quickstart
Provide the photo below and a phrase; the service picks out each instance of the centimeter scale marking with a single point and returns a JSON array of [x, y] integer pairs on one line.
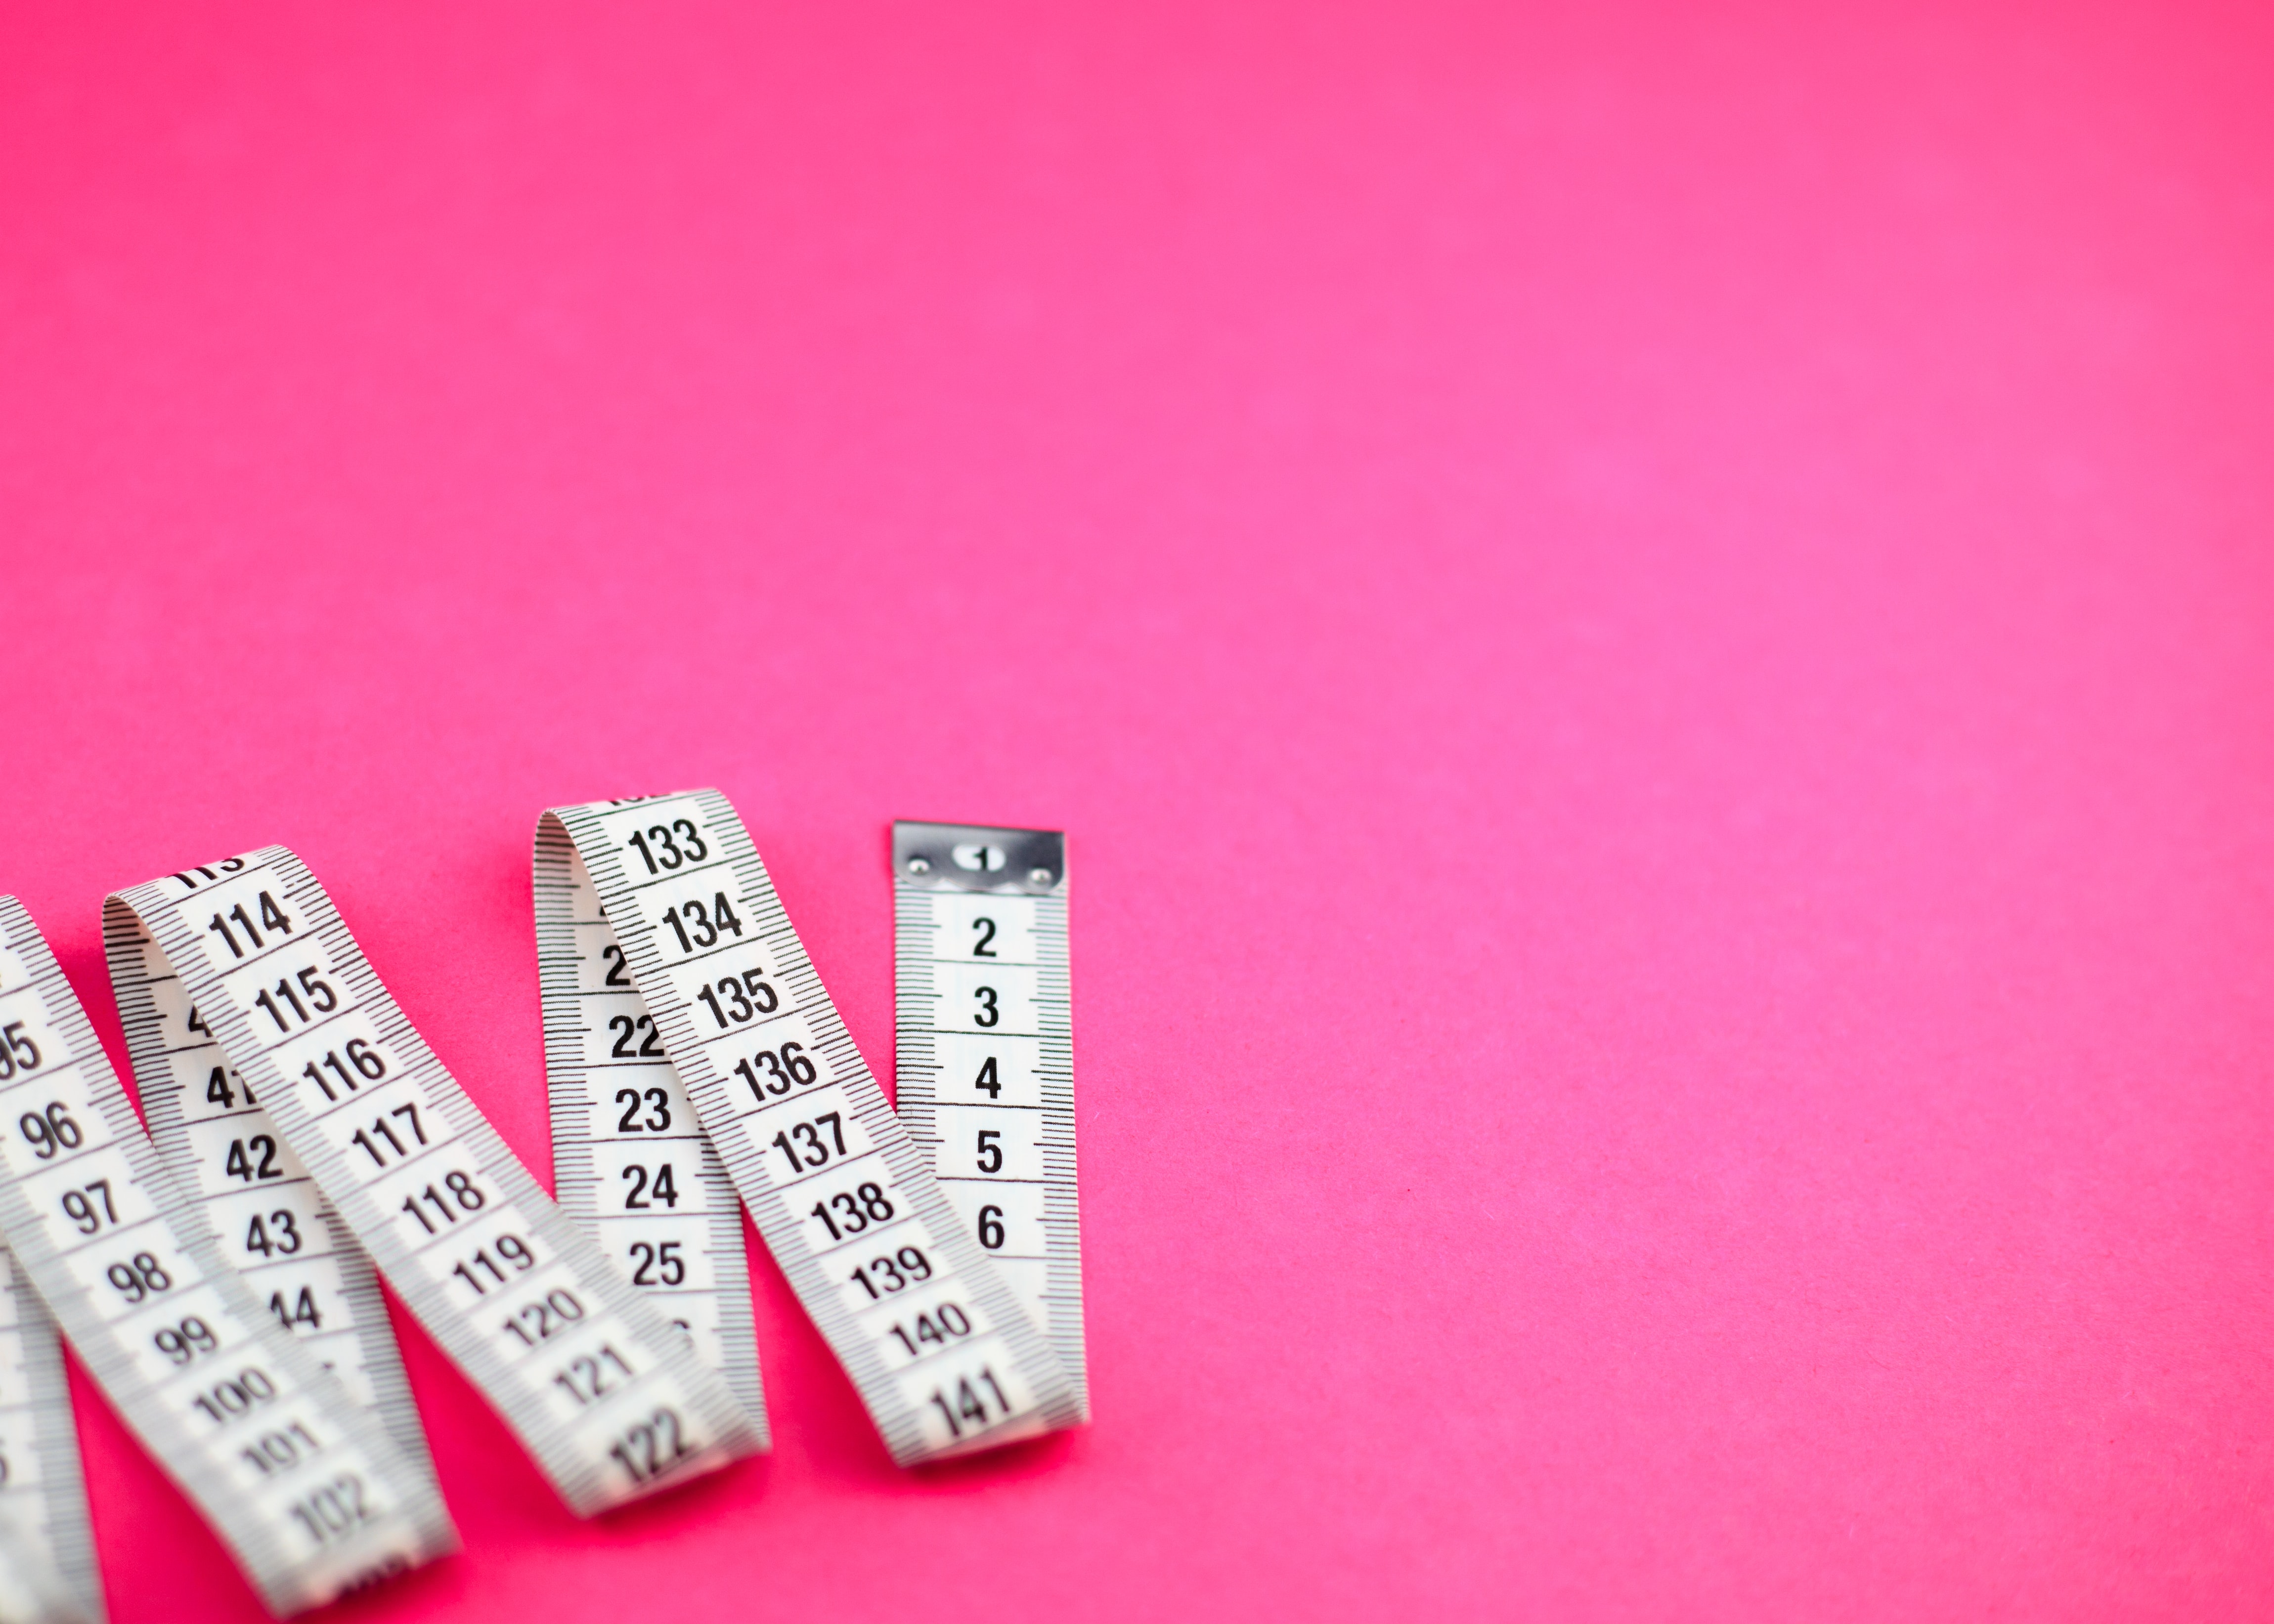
[[942, 1354], [984, 1053], [264, 1213], [47, 1574], [630, 1161], [601, 1389], [308, 1493]]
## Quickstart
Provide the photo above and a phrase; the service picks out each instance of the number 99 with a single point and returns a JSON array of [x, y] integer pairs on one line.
[[182, 1342]]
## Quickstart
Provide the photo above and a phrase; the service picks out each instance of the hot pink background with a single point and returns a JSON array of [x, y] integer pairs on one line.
[[1652, 629]]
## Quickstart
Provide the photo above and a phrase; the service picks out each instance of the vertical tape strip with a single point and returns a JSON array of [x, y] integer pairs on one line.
[[264, 1213], [984, 1057], [47, 1574], [309, 1494], [600, 1389], [942, 1354], [630, 1161]]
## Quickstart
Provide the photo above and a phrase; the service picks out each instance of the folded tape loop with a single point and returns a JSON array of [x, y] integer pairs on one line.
[[942, 1353], [599, 1387]]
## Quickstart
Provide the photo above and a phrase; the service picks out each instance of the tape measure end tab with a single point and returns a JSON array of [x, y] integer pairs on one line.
[[976, 857]]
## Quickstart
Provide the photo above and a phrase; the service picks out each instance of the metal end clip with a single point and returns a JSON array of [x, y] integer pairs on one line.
[[972, 857]]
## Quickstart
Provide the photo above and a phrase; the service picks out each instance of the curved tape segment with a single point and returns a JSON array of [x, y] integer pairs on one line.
[[309, 1494], [942, 1354], [630, 1161], [600, 1389], [47, 1574], [265, 1215]]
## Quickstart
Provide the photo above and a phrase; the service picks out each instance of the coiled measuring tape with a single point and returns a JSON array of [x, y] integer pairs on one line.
[[47, 1574], [307, 1491], [630, 1161], [941, 1352], [983, 1065], [601, 1390]]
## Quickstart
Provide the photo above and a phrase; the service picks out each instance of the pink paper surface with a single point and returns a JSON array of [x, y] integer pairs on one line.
[[1654, 630]]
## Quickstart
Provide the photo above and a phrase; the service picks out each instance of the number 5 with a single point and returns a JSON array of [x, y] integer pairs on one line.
[[21, 1049], [990, 1154]]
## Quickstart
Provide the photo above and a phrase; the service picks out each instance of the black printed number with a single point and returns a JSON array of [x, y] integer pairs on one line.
[[737, 999], [933, 1330], [251, 1160], [590, 1375], [658, 1110], [803, 1147], [988, 1014], [17, 1053], [184, 1343], [50, 1131], [659, 846], [880, 1277], [660, 1264], [218, 1091], [359, 1063], [652, 1446], [776, 1071], [89, 1208], [458, 1196], [299, 999], [551, 1315], [485, 1270], [138, 1277], [396, 1137], [273, 1235], [280, 1451], [334, 1511], [233, 1395], [697, 926], [236, 922], [849, 1212], [627, 1028], [968, 1407], [300, 1309], [646, 1193]]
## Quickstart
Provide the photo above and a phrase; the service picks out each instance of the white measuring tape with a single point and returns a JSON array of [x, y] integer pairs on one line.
[[47, 1574], [631, 1160], [984, 1053], [601, 1389], [307, 1491], [942, 1353], [264, 1213], [218, 1276]]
